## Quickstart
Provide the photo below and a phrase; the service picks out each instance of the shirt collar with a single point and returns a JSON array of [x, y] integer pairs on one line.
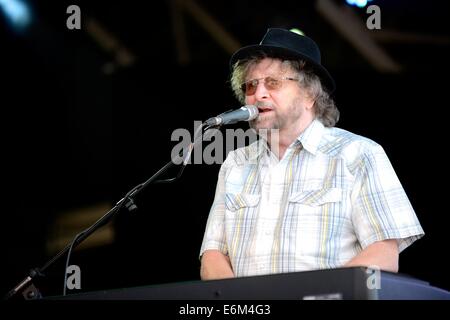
[[311, 137], [258, 150]]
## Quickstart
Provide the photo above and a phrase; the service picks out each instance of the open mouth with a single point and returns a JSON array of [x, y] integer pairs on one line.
[[264, 109]]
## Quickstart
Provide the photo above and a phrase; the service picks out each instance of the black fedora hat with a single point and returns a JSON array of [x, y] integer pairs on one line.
[[282, 43]]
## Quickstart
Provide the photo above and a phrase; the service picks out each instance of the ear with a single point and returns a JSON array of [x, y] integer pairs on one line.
[[308, 99], [309, 102]]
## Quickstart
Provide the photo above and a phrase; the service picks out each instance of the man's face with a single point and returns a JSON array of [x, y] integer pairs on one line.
[[286, 107]]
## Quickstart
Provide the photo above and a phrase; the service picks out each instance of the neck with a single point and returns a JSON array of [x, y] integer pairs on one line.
[[279, 142]]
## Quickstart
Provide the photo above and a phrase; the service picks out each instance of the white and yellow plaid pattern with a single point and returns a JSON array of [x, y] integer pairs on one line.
[[333, 194]]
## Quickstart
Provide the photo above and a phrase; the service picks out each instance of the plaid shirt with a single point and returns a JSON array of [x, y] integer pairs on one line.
[[331, 195]]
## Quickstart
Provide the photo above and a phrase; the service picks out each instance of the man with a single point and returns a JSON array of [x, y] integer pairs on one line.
[[318, 197]]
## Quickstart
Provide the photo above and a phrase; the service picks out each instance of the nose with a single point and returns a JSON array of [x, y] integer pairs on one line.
[[261, 92]]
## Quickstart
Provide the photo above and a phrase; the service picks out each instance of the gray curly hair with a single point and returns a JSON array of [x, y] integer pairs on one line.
[[324, 107]]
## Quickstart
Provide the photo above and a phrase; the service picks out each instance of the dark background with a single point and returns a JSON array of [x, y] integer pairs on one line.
[[81, 129]]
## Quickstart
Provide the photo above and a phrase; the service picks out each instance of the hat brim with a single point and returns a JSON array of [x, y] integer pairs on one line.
[[280, 52]]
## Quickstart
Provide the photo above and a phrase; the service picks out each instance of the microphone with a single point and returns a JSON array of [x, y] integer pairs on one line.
[[245, 113]]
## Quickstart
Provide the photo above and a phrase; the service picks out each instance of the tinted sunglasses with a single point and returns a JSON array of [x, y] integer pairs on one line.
[[270, 83]]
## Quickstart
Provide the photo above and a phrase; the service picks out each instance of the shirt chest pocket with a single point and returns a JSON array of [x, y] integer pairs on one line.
[[238, 201], [317, 201]]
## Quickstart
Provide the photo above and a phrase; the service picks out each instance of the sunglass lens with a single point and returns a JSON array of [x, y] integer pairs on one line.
[[250, 88]]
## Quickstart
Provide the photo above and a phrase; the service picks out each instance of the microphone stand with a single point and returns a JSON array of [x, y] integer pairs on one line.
[[26, 286]]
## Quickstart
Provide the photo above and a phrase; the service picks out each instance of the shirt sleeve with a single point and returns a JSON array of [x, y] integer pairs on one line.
[[381, 208], [214, 237]]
